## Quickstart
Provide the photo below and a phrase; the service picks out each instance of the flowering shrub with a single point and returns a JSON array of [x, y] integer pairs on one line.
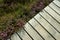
[[15, 13]]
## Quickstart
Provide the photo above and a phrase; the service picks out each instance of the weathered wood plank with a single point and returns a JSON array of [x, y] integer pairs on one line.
[[40, 30], [57, 3], [53, 14], [15, 37], [55, 8], [32, 32], [48, 27], [50, 20]]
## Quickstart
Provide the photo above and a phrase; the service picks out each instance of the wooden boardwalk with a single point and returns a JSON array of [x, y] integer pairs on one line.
[[44, 26]]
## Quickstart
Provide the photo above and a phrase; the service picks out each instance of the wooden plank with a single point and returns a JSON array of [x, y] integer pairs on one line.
[[53, 14], [57, 2], [48, 27], [40, 30], [55, 8], [15, 37], [24, 35], [32, 32], [50, 20]]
